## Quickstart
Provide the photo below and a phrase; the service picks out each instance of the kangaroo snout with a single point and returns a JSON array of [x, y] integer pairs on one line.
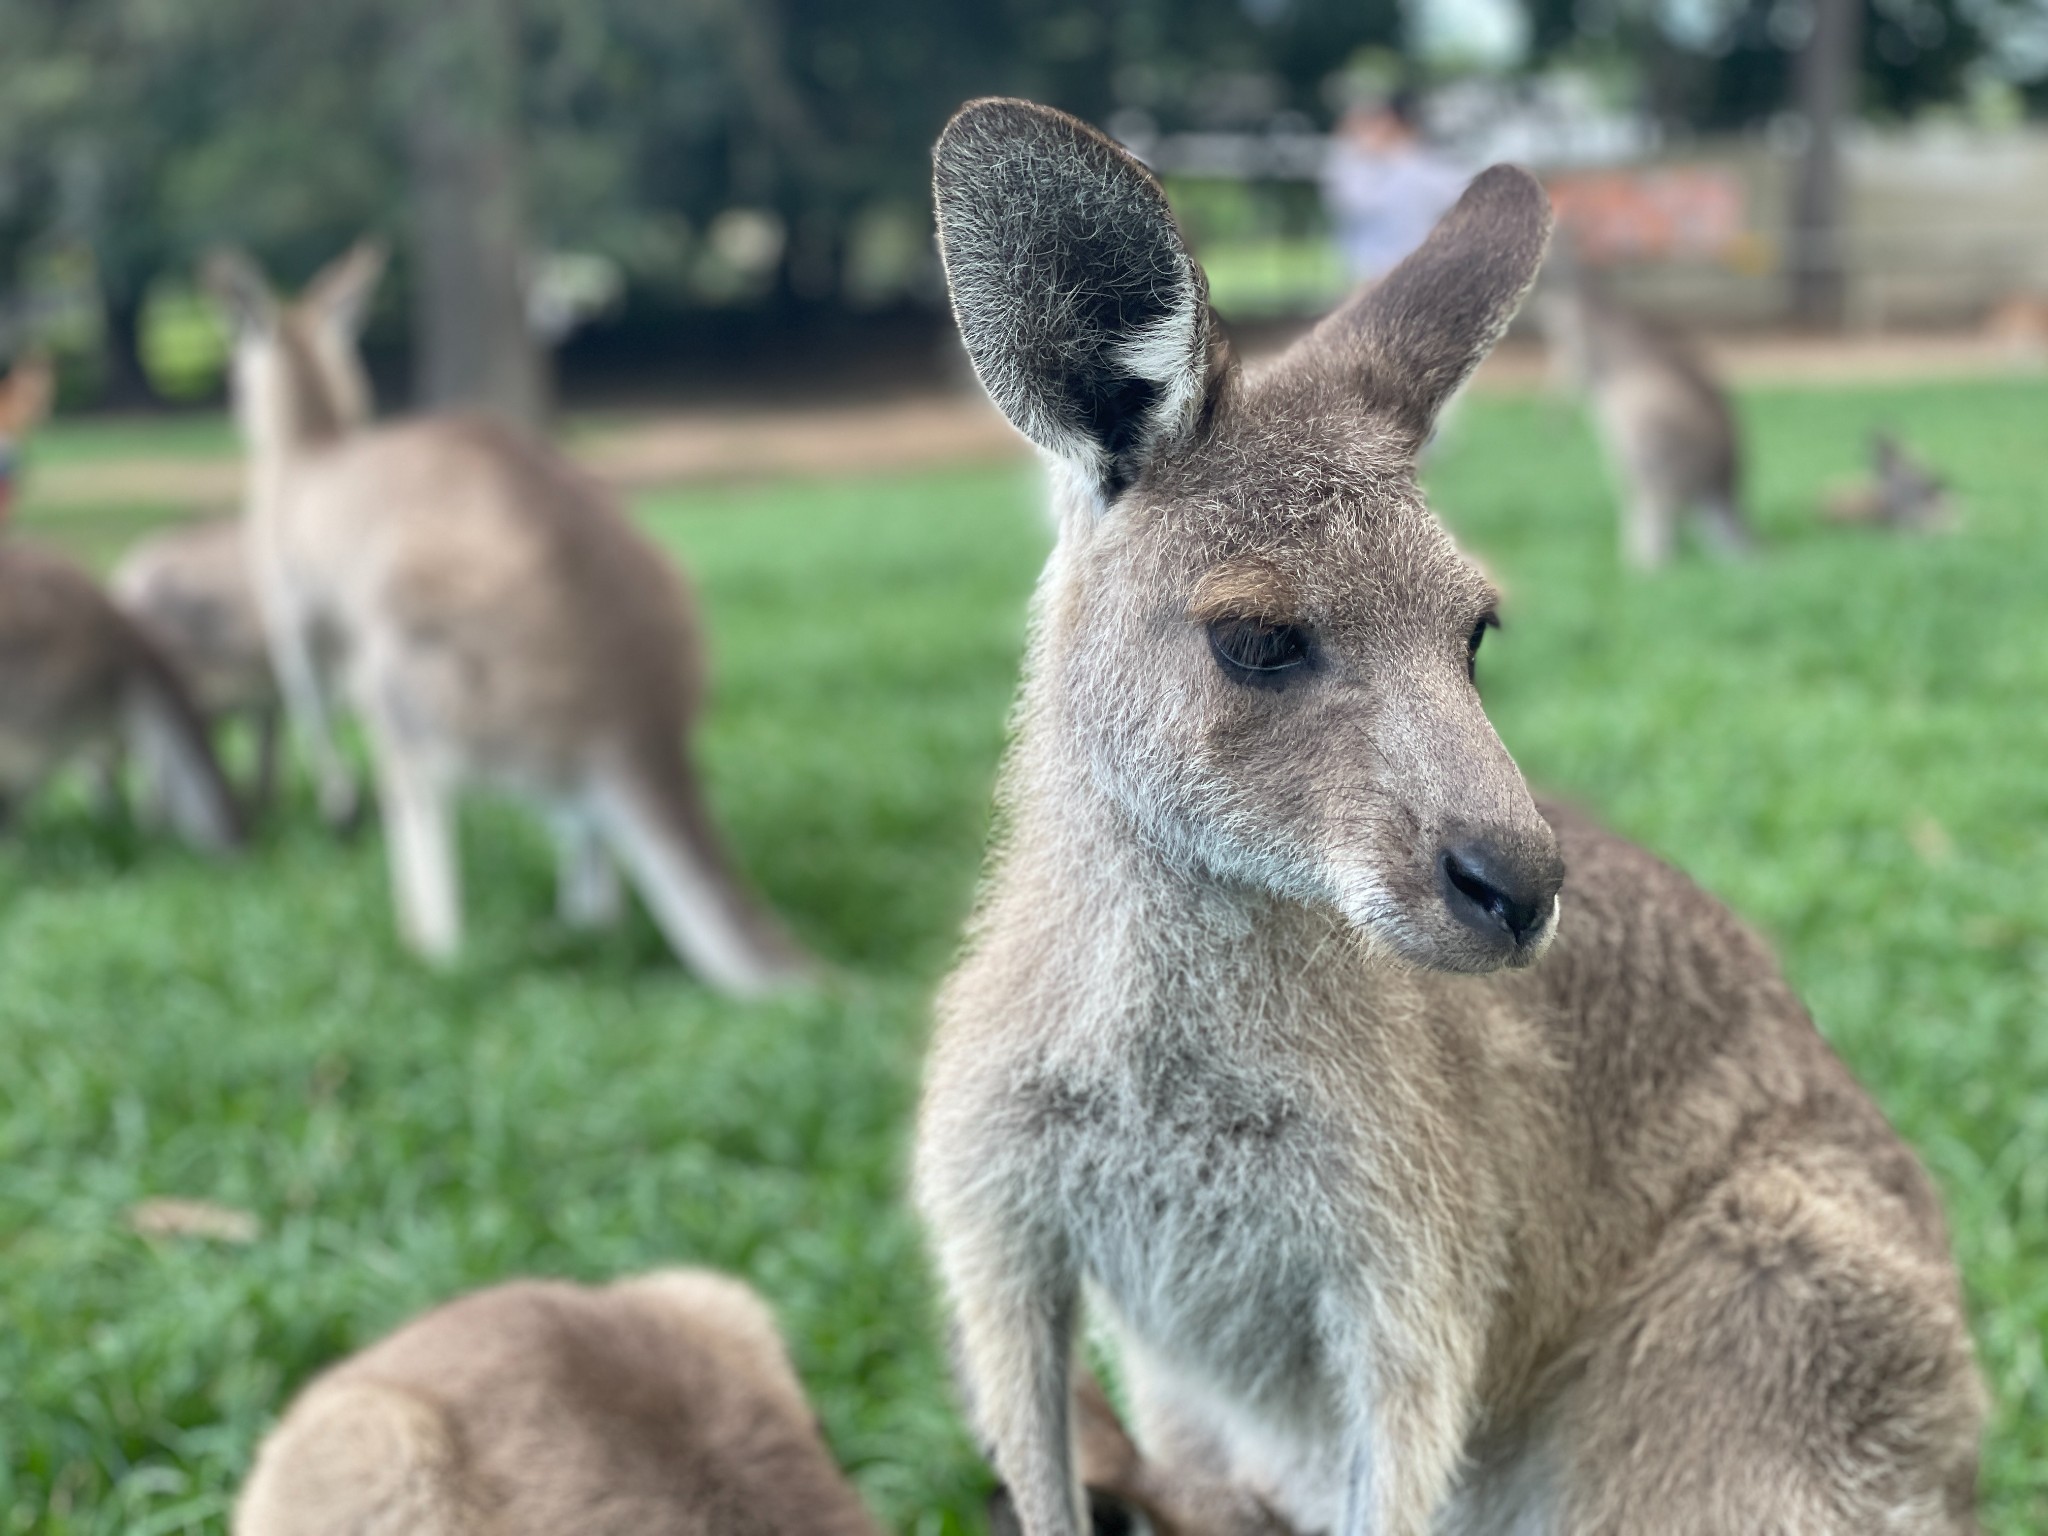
[[1503, 890], [1498, 894]]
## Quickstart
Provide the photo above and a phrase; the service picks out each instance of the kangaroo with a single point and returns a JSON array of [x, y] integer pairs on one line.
[[491, 615], [1669, 432], [1903, 493], [1423, 1190], [191, 590], [24, 401], [78, 680], [658, 1406]]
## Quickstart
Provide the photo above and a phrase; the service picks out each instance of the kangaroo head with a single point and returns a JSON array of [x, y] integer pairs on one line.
[[297, 376], [1256, 638], [1910, 493]]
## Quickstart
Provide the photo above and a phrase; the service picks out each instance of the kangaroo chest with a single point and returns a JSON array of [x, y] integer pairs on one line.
[[1202, 1197]]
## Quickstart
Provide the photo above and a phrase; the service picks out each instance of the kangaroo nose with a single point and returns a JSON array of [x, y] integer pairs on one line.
[[1495, 894]]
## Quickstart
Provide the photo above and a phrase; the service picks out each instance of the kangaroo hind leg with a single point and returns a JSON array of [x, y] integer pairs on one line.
[[415, 794], [1790, 1362], [588, 893], [1726, 531]]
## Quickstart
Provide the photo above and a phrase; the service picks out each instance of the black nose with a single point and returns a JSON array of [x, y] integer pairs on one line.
[[1501, 897]]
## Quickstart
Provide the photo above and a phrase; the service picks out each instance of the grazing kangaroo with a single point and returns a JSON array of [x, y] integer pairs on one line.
[[491, 616], [1669, 432], [1423, 1189], [78, 680], [1903, 493], [191, 589], [658, 1406], [24, 401]]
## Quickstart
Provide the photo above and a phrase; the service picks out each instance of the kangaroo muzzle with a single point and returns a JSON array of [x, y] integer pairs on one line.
[[1505, 894]]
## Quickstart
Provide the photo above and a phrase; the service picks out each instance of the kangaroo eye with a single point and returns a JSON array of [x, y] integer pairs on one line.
[[1254, 652], [1487, 621]]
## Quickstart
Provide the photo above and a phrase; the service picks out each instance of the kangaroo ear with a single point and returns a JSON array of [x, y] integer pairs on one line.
[[340, 292], [240, 292], [1413, 338], [1085, 317]]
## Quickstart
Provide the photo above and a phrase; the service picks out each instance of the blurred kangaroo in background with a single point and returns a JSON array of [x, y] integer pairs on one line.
[[25, 396], [191, 590], [1424, 1190], [658, 1406], [78, 681], [1902, 493], [1669, 433], [491, 616]]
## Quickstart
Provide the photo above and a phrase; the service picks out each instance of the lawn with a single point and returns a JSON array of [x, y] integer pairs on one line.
[[1847, 738]]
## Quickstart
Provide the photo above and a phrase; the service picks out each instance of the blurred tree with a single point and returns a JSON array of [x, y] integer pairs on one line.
[[154, 131], [760, 157], [458, 66], [1720, 64], [1823, 85]]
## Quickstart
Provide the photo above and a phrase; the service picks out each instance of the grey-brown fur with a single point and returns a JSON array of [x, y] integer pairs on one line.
[[1902, 494], [1415, 1209], [659, 1406], [491, 616], [1670, 435], [191, 590], [79, 683]]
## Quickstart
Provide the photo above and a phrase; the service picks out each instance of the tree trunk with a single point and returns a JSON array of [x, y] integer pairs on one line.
[[1825, 84], [472, 345], [125, 384]]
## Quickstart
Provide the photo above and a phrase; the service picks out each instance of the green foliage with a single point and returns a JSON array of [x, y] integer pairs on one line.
[[1842, 737]]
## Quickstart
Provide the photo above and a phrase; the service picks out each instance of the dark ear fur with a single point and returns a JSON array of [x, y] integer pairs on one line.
[[1414, 337], [1084, 315], [239, 290]]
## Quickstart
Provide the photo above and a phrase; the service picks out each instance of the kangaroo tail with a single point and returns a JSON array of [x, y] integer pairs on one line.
[[1728, 531], [171, 740], [653, 814]]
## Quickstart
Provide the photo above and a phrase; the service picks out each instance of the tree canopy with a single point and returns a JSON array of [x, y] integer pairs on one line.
[[745, 153]]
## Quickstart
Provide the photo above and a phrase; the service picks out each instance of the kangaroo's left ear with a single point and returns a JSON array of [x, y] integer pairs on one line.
[[340, 292], [1082, 310], [1409, 341]]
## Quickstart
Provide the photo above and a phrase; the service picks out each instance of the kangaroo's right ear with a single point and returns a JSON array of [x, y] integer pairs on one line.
[[1085, 316], [240, 291], [340, 292]]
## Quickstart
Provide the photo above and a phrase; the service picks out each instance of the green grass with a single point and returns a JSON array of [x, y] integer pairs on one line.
[[185, 435], [1846, 738]]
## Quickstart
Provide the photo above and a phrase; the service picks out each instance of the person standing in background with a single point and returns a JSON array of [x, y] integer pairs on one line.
[[25, 395], [1384, 186]]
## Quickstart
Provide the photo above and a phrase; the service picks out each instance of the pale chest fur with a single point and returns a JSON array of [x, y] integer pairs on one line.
[[1208, 1187]]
